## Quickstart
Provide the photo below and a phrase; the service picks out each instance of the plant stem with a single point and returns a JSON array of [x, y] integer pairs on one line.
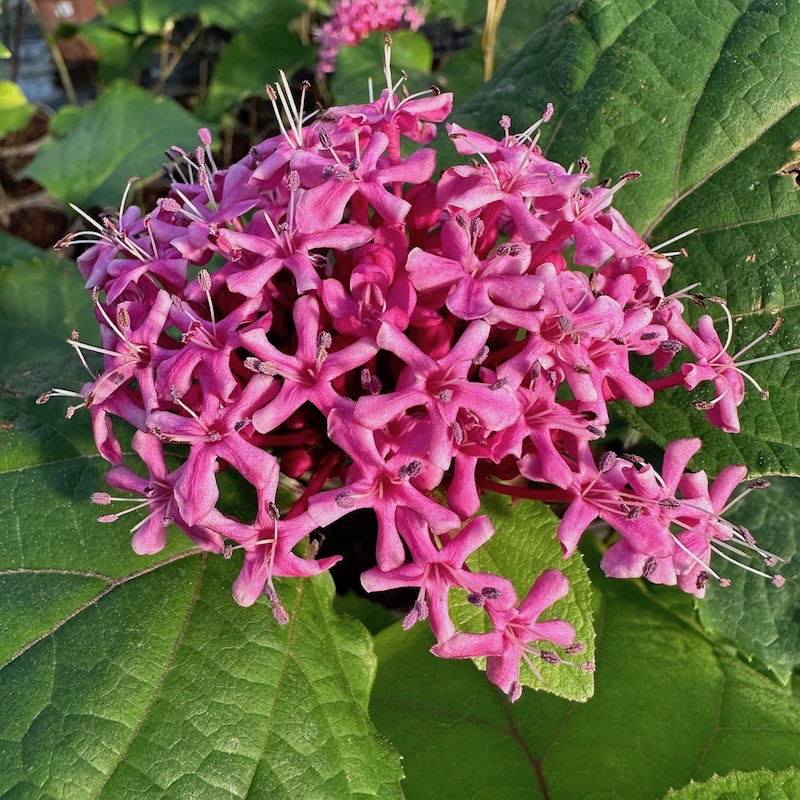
[[494, 13], [61, 65]]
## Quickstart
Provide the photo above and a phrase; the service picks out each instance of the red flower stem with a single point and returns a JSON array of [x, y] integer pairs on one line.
[[667, 382], [545, 495], [328, 465], [303, 438]]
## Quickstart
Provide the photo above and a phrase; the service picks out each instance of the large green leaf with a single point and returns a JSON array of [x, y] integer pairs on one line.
[[124, 134], [668, 708], [761, 785], [524, 546], [751, 613], [702, 97], [123, 674]]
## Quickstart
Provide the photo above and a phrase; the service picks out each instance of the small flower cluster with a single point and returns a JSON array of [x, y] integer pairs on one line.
[[325, 313], [354, 20]]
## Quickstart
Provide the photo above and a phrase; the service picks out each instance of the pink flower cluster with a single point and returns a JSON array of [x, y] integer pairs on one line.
[[354, 20], [327, 314]]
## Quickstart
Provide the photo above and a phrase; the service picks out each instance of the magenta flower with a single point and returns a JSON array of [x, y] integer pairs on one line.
[[158, 493], [383, 484], [437, 571], [442, 387], [218, 431], [268, 544], [308, 375], [515, 632]]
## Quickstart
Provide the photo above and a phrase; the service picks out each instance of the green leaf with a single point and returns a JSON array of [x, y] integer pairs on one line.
[[152, 17], [15, 110], [4, 51], [252, 59], [120, 55], [37, 280], [373, 616], [761, 785], [523, 547], [702, 96], [122, 135], [751, 613], [668, 708], [125, 674], [356, 65]]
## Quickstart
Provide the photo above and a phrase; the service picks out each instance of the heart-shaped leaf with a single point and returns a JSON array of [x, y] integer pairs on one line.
[[123, 134]]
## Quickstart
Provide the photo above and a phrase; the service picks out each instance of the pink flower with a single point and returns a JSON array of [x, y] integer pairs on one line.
[[515, 632], [353, 20]]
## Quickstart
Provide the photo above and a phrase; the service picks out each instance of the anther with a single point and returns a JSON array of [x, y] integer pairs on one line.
[[650, 566], [123, 318], [491, 593], [293, 180], [575, 649], [458, 434], [634, 459], [481, 356], [779, 581], [498, 384], [418, 612], [669, 346], [273, 511], [670, 503], [759, 483], [588, 666], [101, 498], [583, 164], [582, 369], [607, 461], [324, 342], [204, 280], [462, 220], [549, 656], [257, 365], [476, 599], [515, 691], [445, 396], [564, 324], [345, 499], [702, 579], [410, 470]]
